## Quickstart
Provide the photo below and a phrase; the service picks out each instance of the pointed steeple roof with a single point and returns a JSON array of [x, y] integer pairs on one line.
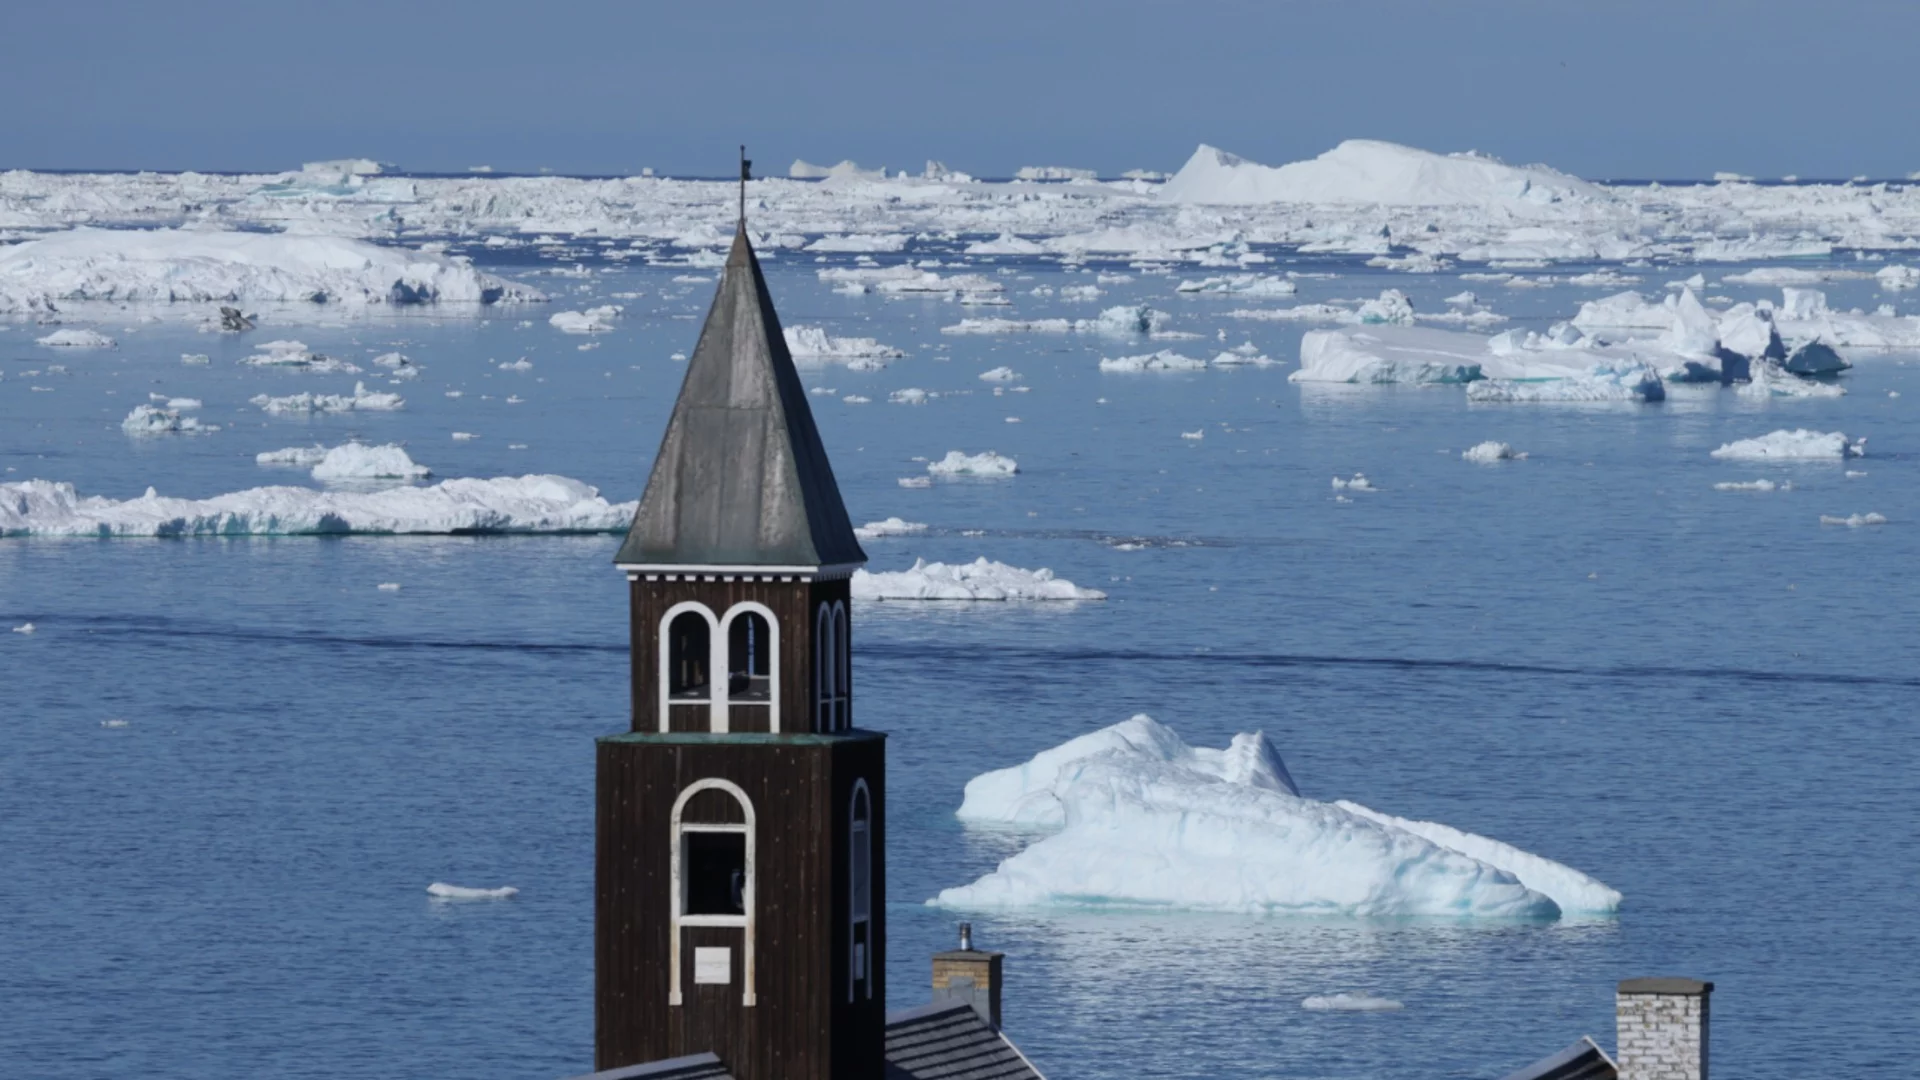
[[741, 478]]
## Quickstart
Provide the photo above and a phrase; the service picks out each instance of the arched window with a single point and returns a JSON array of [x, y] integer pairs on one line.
[[712, 877], [860, 893], [824, 669], [687, 655], [753, 669], [842, 669]]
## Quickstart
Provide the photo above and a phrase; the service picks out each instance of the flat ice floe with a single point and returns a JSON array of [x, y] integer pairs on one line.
[[892, 526], [358, 461], [71, 338], [1115, 320], [1345, 1002], [1854, 521], [440, 890], [361, 400], [594, 320], [193, 265], [988, 464], [151, 420], [977, 580], [1143, 820], [506, 504], [1799, 444]]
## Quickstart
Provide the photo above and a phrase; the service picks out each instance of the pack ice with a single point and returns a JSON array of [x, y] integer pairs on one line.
[[505, 504], [185, 265], [977, 580], [1141, 819]]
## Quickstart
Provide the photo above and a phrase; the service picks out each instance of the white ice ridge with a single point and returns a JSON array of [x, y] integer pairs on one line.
[[1799, 444], [957, 463], [1371, 172], [1144, 820], [506, 504], [811, 343], [892, 526], [358, 461], [190, 265], [977, 580], [1345, 1002], [440, 890]]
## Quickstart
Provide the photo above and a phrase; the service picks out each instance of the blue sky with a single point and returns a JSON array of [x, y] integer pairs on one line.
[[1620, 89]]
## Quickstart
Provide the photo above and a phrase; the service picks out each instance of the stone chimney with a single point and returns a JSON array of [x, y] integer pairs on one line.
[[1662, 1029], [969, 975]]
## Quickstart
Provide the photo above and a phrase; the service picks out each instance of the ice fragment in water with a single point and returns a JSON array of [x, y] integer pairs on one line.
[[440, 890]]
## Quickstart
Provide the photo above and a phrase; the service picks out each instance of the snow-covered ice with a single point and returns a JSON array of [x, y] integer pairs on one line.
[[1164, 360], [1372, 172], [594, 320], [75, 339], [1143, 820], [507, 504], [988, 464], [361, 400], [892, 526], [977, 580], [149, 420], [358, 461], [305, 457], [1854, 521], [440, 890], [1491, 453], [811, 343], [1799, 444], [1345, 1002]]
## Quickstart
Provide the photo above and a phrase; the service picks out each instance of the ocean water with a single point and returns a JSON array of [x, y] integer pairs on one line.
[[230, 768]]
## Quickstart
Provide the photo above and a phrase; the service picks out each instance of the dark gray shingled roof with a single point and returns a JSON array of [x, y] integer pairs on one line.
[[741, 478], [691, 1067], [950, 1041], [1583, 1060]]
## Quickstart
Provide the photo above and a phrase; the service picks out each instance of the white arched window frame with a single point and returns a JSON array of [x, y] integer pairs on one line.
[[842, 674], [716, 662], [721, 721], [859, 890], [824, 668], [744, 921]]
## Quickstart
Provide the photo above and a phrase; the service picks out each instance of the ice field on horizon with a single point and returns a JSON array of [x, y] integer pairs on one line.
[[1085, 428]]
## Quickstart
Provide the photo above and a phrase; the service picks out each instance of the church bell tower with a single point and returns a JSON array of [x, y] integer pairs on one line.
[[739, 894]]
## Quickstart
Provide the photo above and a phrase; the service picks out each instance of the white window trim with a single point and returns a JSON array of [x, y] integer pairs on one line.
[[680, 918], [716, 646], [772, 703], [859, 832]]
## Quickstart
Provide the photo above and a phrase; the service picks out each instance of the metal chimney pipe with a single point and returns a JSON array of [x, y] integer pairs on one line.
[[966, 937]]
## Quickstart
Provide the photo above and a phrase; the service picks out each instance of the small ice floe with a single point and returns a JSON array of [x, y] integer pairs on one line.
[[522, 364], [988, 464], [977, 580], [75, 339], [1194, 435], [174, 402], [1855, 474], [1138, 819], [440, 890], [361, 400], [1164, 360], [1753, 485], [24, 628], [116, 723], [464, 436], [197, 359], [306, 457], [915, 481], [388, 586], [856, 399], [1799, 444], [358, 461], [1359, 482], [393, 360], [295, 356], [823, 391], [813, 344], [999, 374], [1345, 1002], [148, 420], [1492, 453], [596, 320], [1854, 521], [516, 399], [912, 395], [892, 526]]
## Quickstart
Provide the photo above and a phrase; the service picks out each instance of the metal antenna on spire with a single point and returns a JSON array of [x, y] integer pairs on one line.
[[746, 171]]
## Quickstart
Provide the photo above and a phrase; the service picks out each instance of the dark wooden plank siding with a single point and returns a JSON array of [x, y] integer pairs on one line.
[[802, 1026]]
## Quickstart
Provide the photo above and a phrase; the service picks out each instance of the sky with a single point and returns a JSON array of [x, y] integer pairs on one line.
[[1621, 89]]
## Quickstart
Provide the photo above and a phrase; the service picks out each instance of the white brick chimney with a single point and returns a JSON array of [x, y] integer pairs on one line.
[[1662, 1029]]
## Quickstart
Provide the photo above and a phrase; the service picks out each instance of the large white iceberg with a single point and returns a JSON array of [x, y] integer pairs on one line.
[[977, 580], [505, 504], [1143, 820], [1398, 355], [358, 461], [811, 343], [1370, 171], [188, 265]]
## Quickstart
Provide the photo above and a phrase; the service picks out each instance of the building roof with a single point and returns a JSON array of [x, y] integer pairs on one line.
[[950, 1041], [1583, 1060], [691, 1067], [742, 478]]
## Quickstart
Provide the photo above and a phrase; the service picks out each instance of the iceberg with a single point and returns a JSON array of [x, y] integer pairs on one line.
[[1799, 444], [361, 400], [1600, 382], [1164, 360], [305, 457], [1143, 820], [507, 504], [811, 343], [1383, 355], [1491, 453], [202, 266], [357, 461], [988, 464], [1370, 171], [595, 320], [73, 339], [892, 526], [149, 420], [977, 580], [1854, 521]]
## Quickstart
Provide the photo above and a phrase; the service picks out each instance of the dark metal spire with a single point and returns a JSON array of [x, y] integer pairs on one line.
[[742, 478], [746, 170]]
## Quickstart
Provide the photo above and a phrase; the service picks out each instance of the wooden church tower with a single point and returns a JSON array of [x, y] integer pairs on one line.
[[739, 897]]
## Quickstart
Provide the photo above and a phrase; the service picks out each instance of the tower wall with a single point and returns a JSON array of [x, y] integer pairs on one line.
[[801, 1025]]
